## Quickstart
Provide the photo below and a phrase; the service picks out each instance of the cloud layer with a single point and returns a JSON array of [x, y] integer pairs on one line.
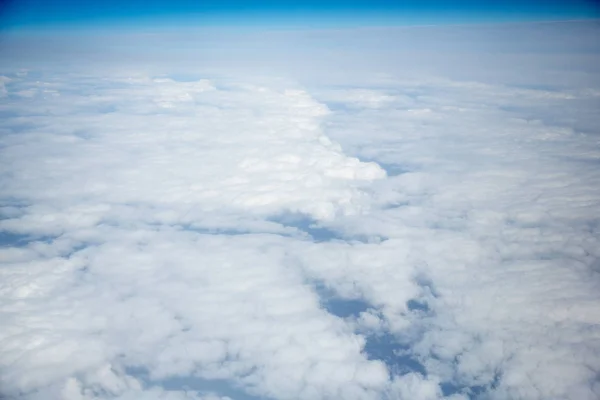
[[370, 234]]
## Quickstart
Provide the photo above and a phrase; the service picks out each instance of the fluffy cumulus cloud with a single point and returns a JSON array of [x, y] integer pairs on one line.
[[241, 227]]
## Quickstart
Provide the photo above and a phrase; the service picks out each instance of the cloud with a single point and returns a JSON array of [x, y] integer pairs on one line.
[[171, 232], [150, 178], [499, 213]]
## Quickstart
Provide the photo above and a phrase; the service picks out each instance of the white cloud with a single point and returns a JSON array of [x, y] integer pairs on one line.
[[157, 228], [249, 149]]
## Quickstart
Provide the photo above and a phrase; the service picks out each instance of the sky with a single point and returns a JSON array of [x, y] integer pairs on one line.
[[39, 13], [367, 210]]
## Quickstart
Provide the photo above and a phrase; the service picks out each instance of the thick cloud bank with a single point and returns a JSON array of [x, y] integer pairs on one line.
[[227, 226]]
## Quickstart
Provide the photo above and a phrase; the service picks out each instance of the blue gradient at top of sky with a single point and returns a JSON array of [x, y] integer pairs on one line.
[[56, 13]]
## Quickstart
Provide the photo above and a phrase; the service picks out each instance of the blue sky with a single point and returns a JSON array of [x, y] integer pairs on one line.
[[45, 13]]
